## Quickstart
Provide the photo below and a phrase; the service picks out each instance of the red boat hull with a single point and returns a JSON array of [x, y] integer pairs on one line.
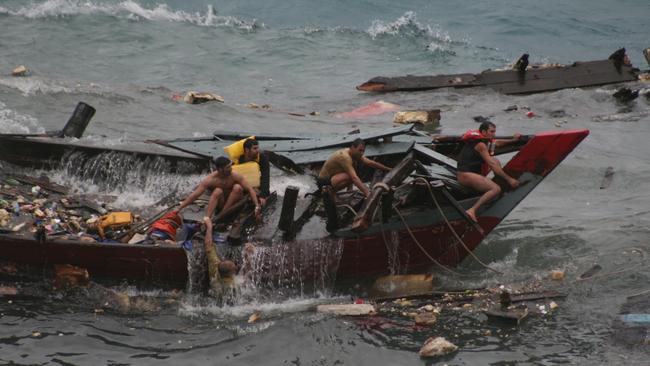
[[388, 248]]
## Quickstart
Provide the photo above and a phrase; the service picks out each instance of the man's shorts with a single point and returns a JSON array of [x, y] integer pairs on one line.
[[323, 182]]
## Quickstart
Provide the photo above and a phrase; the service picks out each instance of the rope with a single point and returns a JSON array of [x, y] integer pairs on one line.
[[428, 185], [381, 185], [348, 207], [415, 240]]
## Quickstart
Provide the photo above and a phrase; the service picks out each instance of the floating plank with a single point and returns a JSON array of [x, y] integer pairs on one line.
[[534, 80], [417, 83]]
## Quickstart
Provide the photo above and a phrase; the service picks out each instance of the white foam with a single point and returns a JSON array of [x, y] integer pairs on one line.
[[407, 24], [14, 122], [130, 10], [33, 85], [267, 309]]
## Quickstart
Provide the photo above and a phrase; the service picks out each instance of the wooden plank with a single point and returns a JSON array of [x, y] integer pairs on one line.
[[435, 156], [43, 183], [394, 177], [330, 142], [416, 83], [372, 150], [534, 80]]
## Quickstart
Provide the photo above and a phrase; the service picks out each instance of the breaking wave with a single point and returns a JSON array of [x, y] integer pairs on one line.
[[408, 25], [130, 10], [14, 122], [439, 41]]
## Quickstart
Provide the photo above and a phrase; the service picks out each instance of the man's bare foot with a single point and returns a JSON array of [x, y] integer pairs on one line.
[[471, 215]]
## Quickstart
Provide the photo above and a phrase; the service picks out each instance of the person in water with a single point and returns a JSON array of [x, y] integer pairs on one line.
[[473, 157], [252, 153], [227, 188], [221, 273], [339, 171]]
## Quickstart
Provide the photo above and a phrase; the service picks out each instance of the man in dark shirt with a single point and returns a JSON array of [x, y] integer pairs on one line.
[[252, 153], [474, 154]]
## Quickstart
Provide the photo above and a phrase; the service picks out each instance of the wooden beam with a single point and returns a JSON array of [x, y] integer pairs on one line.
[[394, 177]]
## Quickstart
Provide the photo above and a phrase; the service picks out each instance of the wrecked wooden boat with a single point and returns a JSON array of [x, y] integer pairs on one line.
[[414, 220], [527, 80], [50, 149]]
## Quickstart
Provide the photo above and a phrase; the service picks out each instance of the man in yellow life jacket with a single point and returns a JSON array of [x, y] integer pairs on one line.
[[252, 153], [339, 171]]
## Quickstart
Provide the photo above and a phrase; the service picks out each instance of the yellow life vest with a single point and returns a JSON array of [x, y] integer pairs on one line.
[[236, 149], [250, 170]]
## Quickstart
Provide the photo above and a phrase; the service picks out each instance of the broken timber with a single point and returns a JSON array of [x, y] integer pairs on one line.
[[394, 177], [534, 80]]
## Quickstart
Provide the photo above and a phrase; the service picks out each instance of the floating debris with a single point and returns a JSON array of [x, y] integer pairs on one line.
[[438, 346], [254, 317], [423, 117], [557, 275], [347, 309], [398, 286], [607, 179], [193, 97], [20, 71]]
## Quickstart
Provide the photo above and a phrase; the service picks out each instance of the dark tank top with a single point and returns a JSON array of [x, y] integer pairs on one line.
[[469, 159]]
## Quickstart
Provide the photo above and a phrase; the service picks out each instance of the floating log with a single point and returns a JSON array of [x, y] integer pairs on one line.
[[288, 208], [394, 177]]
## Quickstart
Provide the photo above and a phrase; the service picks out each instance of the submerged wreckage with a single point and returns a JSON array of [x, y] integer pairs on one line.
[[413, 219], [522, 78]]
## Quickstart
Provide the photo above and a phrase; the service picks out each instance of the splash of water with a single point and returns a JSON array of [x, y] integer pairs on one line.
[[130, 10], [14, 122]]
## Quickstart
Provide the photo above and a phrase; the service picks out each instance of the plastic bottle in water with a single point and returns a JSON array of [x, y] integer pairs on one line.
[[16, 209]]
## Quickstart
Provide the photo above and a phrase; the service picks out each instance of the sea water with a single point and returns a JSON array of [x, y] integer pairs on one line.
[[131, 58]]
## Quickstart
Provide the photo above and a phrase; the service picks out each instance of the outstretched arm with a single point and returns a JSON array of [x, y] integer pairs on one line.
[[495, 165], [374, 164], [210, 252], [194, 195], [502, 142], [357, 181]]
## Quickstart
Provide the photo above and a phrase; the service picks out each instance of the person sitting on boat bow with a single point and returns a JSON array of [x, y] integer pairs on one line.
[[252, 153], [227, 189], [339, 171], [475, 161]]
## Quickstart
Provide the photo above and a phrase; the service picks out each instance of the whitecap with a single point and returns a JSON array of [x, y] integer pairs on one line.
[[407, 24], [130, 10], [14, 122]]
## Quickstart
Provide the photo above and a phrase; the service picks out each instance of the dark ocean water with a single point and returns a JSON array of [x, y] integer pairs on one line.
[[128, 58]]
